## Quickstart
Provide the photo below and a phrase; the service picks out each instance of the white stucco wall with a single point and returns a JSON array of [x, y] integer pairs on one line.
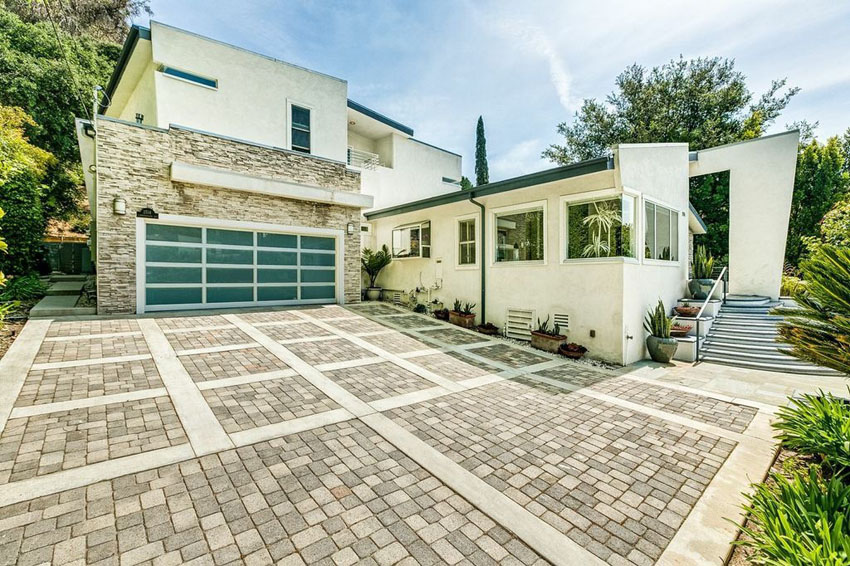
[[761, 185], [252, 96], [141, 100]]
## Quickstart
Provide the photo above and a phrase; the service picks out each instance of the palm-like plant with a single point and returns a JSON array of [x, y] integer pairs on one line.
[[604, 218], [819, 330], [657, 323], [373, 262]]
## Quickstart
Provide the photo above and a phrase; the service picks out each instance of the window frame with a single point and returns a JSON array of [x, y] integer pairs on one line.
[[420, 225], [645, 221], [493, 236], [476, 225], [189, 77], [291, 126], [590, 196]]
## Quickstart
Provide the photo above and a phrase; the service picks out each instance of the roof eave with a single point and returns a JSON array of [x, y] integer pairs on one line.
[[136, 32], [357, 107]]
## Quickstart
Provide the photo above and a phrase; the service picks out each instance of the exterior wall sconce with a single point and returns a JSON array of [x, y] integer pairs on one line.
[[350, 228], [119, 206]]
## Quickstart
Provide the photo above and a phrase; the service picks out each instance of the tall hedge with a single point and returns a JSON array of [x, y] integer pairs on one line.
[[23, 225]]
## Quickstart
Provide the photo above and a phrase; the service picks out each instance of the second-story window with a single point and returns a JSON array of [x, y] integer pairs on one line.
[[300, 118]]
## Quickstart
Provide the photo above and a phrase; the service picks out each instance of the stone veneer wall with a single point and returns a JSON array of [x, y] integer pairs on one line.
[[133, 162]]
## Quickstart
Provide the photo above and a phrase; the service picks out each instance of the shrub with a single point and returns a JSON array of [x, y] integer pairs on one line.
[[373, 262], [23, 225], [801, 521], [818, 425], [819, 330], [420, 308], [791, 286], [657, 323], [26, 288]]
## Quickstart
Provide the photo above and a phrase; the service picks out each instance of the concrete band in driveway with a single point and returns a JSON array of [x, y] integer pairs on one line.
[[366, 433]]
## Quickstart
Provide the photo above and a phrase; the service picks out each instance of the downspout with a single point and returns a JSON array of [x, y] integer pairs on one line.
[[483, 257]]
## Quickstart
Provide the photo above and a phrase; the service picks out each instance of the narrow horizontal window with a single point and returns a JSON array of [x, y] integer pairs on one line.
[[191, 77]]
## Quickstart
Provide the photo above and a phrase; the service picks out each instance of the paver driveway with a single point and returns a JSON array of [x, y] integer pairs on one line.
[[364, 434]]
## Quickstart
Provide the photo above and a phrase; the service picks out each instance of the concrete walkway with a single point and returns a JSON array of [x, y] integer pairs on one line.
[[338, 435]]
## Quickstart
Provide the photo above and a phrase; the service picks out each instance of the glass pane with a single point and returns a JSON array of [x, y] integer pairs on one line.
[[426, 251], [163, 233], [318, 259], [467, 254], [173, 274], [519, 236], [173, 255], [674, 237], [230, 237], [317, 243], [406, 242], [277, 258], [649, 236], [662, 233], [301, 117], [174, 296], [230, 294], [629, 243], [594, 229], [426, 233], [229, 275], [277, 240], [277, 276], [300, 139], [322, 292], [216, 255], [277, 293], [318, 276]]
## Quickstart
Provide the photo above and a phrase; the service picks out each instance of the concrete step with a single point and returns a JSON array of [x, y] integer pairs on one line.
[[802, 368], [744, 329], [752, 338], [747, 301], [59, 305], [749, 316], [63, 277], [66, 288], [741, 354], [746, 345]]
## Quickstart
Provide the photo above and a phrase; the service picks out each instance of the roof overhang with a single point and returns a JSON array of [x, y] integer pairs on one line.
[[127, 51], [374, 123], [522, 182], [695, 221]]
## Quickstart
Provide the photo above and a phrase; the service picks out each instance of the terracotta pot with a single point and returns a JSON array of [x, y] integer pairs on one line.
[[462, 320], [680, 331], [546, 342], [574, 354], [687, 312], [488, 330], [441, 314], [661, 349], [373, 293]]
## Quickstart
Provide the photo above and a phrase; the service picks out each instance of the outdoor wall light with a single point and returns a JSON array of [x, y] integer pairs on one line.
[[119, 206], [350, 228]]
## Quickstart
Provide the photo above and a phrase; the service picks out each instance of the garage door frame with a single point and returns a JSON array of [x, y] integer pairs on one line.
[[202, 222]]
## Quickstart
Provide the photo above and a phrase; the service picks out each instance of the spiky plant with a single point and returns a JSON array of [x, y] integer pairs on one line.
[[373, 262], [657, 323], [818, 425], [703, 264], [819, 330]]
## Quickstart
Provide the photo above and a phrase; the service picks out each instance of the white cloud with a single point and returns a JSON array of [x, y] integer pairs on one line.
[[523, 157]]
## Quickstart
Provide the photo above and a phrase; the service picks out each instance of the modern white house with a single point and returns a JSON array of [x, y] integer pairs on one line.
[[219, 177]]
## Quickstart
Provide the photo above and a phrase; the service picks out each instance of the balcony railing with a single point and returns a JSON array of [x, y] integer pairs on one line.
[[363, 159]]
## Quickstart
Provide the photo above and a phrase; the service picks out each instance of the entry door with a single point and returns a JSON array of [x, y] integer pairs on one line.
[[192, 267]]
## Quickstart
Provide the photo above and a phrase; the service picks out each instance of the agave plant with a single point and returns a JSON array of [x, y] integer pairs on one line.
[[703, 264], [657, 323]]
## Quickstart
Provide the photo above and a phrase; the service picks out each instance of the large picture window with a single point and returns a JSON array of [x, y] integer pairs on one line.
[[412, 240], [519, 236], [662, 233], [466, 242], [601, 228]]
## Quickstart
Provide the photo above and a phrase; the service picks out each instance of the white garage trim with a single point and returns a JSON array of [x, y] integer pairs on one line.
[[200, 222]]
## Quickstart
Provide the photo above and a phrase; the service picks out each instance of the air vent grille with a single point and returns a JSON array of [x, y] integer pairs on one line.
[[562, 320], [519, 323]]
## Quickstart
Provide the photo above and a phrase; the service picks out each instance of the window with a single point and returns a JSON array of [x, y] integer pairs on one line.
[[519, 236], [413, 240], [466, 242], [300, 118], [662, 233], [601, 228], [191, 77]]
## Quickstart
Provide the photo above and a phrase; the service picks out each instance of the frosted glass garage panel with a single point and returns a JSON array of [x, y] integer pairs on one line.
[[230, 294], [173, 296], [169, 254], [318, 292], [182, 234], [265, 240], [230, 237], [317, 243]]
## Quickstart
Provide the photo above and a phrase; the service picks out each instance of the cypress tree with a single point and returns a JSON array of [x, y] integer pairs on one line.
[[482, 173]]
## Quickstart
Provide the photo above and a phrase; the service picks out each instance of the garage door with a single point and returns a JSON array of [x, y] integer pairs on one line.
[[190, 267]]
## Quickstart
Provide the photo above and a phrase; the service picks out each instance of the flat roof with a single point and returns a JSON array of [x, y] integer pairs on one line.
[[357, 107], [524, 181]]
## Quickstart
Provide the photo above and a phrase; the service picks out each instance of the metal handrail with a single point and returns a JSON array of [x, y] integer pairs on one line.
[[364, 159], [724, 276]]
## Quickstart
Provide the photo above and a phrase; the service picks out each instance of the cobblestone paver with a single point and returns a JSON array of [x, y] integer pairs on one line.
[[328, 351], [41, 444], [413, 321], [468, 360], [617, 482], [250, 405], [449, 367], [183, 322], [454, 337], [397, 343], [374, 309], [84, 327], [378, 381], [92, 348], [337, 496], [510, 355], [208, 338], [697, 407], [358, 325], [295, 331], [232, 363], [576, 373], [82, 382], [329, 312], [273, 316]]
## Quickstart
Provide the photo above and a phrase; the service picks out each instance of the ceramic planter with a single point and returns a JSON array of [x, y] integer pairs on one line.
[[700, 288], [661, 350], [573, 351], [373, 293], [462, 320], [546, 342], [688, 312], [489, 330]]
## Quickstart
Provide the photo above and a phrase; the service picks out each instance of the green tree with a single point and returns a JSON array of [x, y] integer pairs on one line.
[[819, 182], [482, 171], [465, 183], [101, 19]]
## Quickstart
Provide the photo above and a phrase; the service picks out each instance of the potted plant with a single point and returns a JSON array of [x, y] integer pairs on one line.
[[679, 331], [662, 347], [441, 314], [462, 315], [688, 312], [372, 263], [547, 338], [436, 305], [488, 328], [700, 286], [572, 350]]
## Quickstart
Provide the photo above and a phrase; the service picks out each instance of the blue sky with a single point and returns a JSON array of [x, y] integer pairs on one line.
[[436, 65]]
